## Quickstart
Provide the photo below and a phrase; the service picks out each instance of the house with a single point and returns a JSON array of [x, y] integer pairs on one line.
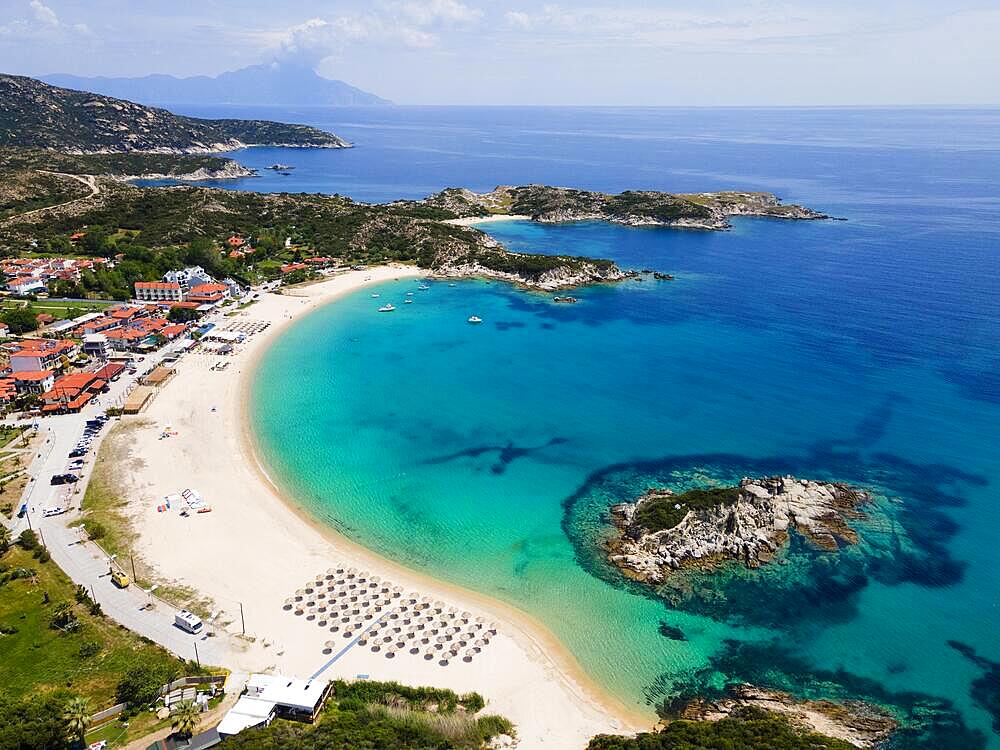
[[100, 324], [8, 390], [34, 381], [270, 696], [289, 267], [33, 355], [96, 345], [235, 241], [110, 372], [44, 319], [188, 277], [70, 393], [77, 236], [208, 294], [158, 291], [4, 330], [25, 285], [235, 290]]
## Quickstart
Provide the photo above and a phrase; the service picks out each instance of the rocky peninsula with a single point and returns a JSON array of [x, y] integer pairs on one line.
[[551, 205], [748, 523], [857, 723]]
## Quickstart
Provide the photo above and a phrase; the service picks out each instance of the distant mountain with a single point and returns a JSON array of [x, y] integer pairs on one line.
[[36, 115], [277, 84]]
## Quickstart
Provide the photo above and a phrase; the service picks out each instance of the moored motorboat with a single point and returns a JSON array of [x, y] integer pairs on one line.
[[375, 295], [475, 319], [387, 308], [423, 287], [408, 302]]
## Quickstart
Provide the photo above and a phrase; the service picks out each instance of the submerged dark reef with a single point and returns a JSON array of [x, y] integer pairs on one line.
[[926, 722], [904, 539]]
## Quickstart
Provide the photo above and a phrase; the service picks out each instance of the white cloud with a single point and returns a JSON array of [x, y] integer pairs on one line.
[[40, 23], [428, 12], [44, 14], [413, 24]]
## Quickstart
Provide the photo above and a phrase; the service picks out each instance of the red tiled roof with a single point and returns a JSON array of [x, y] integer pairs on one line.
[[208, 288], [33, 376], [110, 371]]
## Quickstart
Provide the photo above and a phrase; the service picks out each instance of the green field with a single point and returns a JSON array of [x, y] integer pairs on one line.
[[38, 657], [59, 309]]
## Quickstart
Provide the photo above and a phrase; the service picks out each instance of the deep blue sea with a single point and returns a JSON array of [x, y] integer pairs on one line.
[[866, 350]]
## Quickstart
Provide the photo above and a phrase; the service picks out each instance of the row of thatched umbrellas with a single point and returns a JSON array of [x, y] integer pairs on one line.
[[356, 604]]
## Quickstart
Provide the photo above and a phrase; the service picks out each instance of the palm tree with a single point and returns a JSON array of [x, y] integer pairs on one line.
[[184, 718], [77, 716], [4, 538]]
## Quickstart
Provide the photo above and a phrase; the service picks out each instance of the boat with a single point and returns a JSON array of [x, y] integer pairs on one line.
[[376, 296], [453, 285], [409, 294], [565, 300], [475, 319], [423, 287], [408, 302], [386, 308]]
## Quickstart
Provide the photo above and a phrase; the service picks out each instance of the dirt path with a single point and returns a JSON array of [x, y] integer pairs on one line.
[[89, 181]]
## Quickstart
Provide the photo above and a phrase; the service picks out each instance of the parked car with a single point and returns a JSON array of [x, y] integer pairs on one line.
[[188, 621], [64, 479], [55, 510], [119, 579]]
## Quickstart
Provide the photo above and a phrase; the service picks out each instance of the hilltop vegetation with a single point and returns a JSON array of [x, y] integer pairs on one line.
[[637, 207], [36, 115], [155, 229], [133, 164], [747, 729], [385, 715]]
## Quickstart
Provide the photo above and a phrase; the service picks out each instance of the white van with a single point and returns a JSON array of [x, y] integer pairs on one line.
[[188, 621]]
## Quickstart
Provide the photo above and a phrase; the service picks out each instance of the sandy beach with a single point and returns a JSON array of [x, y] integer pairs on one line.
[[493, 219], [256, 548]]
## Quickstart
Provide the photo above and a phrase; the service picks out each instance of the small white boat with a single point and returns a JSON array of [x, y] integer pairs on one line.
[[423, 287], [453, 285], [386, 308], [409, 294], [408, 302], [475, 319], [376, 296]]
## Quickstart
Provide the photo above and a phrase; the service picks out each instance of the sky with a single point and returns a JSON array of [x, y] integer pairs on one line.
[[572, 52]]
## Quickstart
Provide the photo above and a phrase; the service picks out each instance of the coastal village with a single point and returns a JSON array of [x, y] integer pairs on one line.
[[71, 376]]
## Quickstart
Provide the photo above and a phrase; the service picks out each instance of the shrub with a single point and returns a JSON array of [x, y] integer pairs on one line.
[[140, 685], [492, 725], [42, 555], [89, 648], [64, 618], [28, 540], [95, 530]]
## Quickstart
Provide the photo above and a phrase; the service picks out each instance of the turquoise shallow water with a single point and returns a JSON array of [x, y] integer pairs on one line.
[[863, 350]]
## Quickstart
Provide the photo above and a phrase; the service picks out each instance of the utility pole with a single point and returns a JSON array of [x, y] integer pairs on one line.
[[242, 621], [130, 557], [197, 660]]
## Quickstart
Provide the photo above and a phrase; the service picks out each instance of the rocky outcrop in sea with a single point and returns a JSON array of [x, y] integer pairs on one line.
[[662, 532]]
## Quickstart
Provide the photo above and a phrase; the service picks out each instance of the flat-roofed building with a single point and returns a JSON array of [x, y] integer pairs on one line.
[[158, 291]]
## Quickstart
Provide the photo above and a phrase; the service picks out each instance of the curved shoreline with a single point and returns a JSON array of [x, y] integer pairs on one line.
[[536, 636], [197, 433]]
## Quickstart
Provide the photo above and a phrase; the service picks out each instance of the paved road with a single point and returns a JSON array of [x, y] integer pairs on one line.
[[83, 561]]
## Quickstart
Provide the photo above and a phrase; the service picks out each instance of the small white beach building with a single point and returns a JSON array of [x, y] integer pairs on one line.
[[267, 696]]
